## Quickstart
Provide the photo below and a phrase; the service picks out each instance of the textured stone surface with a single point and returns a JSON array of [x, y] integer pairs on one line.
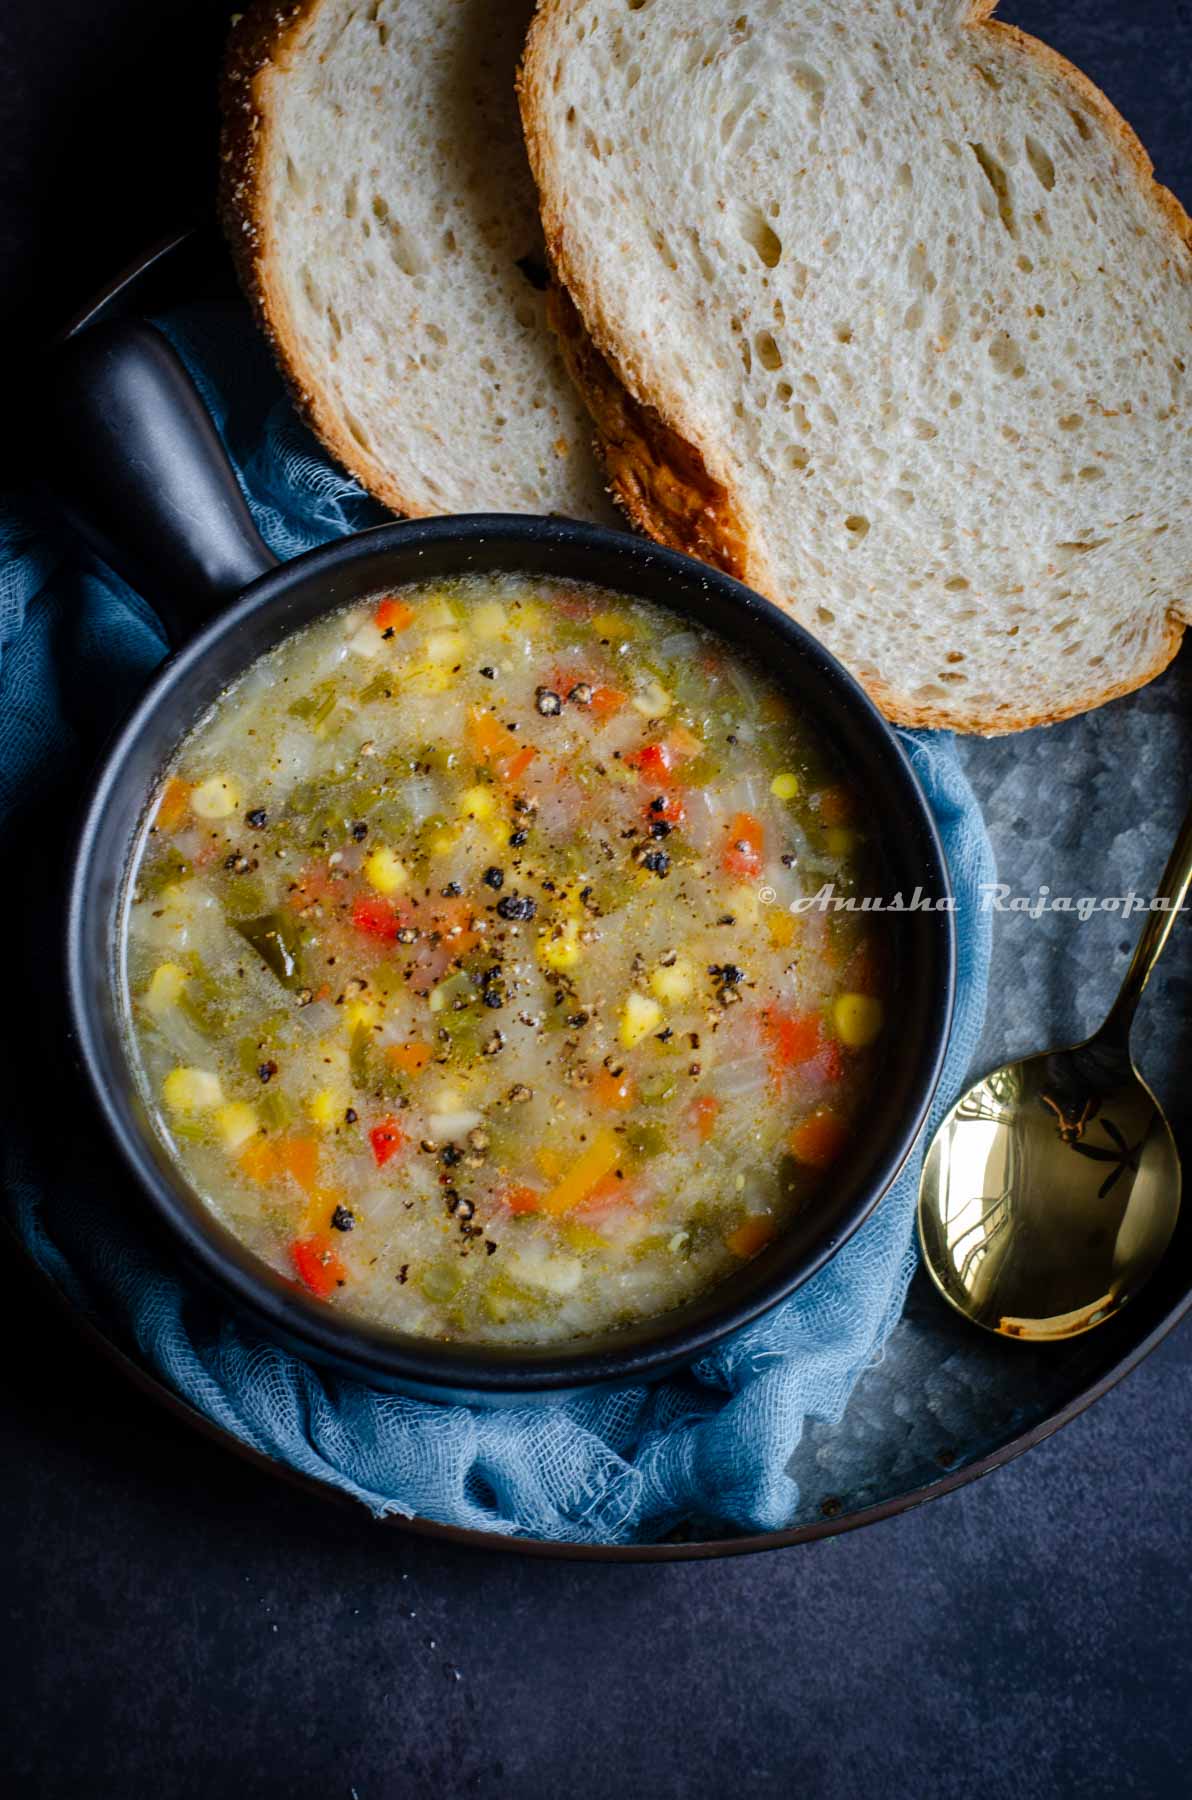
[[176, 1625]]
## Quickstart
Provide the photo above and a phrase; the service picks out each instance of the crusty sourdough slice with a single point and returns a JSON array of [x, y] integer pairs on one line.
[[884, 313], [377, 198]]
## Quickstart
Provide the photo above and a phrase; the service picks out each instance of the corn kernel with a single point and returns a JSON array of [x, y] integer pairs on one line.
[[612, 625], [674, 984], [781, 928], [236, 1123], [840, 841], [477, 803], [191, 1090], [216, 798], [563, 951], [444, 841], [858, 1019], [639, 1017], [362, 1012], [327, 1107], [165, 988], [384, 871], [785, 786]]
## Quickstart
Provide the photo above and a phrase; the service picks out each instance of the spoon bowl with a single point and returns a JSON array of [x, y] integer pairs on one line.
[[1051, 1190]]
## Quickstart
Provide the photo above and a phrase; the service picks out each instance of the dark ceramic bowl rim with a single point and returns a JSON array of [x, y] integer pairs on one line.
[[636, 1353]]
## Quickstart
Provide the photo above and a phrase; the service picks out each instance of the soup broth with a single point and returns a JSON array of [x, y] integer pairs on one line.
[[466, 981]]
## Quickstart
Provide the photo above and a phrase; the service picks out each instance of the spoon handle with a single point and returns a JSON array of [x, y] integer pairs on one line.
[[1173, 887]]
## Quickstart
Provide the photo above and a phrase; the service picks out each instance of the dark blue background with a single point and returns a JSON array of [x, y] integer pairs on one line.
[[177, 1625]]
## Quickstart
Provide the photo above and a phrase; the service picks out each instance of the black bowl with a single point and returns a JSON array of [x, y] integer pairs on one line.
[[141, 471]]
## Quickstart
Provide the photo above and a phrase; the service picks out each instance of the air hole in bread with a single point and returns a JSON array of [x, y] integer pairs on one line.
[[1090, 472], [1040, 162], [1005, 355], [843, 334], [760, 235], [1082, 125], [857, 526], [768, 353], [824, 616], [798, 456], [999, 183], [956, 584]]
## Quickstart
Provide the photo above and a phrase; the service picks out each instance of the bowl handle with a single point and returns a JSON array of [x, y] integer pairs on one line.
[[135, 461]]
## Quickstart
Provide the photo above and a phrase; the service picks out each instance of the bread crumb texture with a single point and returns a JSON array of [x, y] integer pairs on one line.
[[899, 282], [378, 201]]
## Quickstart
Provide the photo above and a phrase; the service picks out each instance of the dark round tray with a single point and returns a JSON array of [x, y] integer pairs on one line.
[[946, 1403]]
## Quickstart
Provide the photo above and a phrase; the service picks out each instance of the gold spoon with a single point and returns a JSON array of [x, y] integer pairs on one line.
[[1051, 1190]]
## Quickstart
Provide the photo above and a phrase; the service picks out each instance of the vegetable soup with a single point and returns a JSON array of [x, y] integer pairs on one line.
[[465, 978]]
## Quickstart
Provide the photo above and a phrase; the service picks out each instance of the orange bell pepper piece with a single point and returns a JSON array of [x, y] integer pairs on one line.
[[173, 806], [318, 1266], [591, 1167], [751, 1235], [393, 615], [819, 1139]]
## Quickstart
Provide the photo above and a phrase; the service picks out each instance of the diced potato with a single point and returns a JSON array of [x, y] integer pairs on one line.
[[235, 1122], [564, 950], [653, 701], [477, 803], [429, 678], [367, 640], [438, 612], [489, 620], [674, 983], [744, 905], [639, 1017], [446, 646], [384, 871], [785, 786], [553, 1274], [165, 989], [216, 798], [191, 1090], [857, 1018]]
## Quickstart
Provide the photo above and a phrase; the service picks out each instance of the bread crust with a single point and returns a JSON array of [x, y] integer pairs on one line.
[[261, 41], [649, 456]]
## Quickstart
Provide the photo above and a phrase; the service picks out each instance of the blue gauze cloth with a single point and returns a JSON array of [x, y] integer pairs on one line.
[[709, 1449]]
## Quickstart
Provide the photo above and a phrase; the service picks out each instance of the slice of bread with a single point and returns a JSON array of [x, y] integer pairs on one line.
[[382, 214], [881, 310]]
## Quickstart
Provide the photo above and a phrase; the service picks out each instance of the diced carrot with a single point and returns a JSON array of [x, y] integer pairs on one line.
[[521, 1200], [750, 1236], [667, 807], [590, 1168], [299, 1159], [393, 615], [819, 1139], [259, 1161], [375, 918], [487, 736], [612, 1190], [454, 921], [173, 806], [655, 762], [703, 1116], [512, 768], [386, 1139], [317, 1264], [411, 1059], [746, 841], [613, 1091], [606, 701], [835, 805], [792, 1038]]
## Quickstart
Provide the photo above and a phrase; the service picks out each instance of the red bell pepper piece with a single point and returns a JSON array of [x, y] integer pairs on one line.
[[386, 1139], [317, 1264], [743, 851], [375, 917]]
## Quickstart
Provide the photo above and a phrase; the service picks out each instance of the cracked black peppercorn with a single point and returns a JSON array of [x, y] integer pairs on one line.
[[660, 829], [258, 818], [360, 831], [489, 673], [548, 702], [517, 906], [517, 839], [657, 861], [343, 1220], [494, 877], [493, 997]]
